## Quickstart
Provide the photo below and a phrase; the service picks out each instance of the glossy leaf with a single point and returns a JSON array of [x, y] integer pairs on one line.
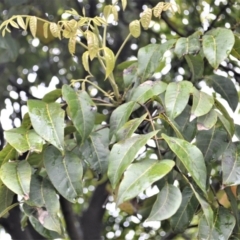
[[24, 140], [123, 153], [6, 198], [207, 121], [212, 143], [65, 172], [129, 128], [168, 201], [95, 152], [231, 165], [217, 44], [17, 176], [226, 88], [48, 121], [82, 110], [202, 103], [176, 97], [140, 176], [190, 45], [184, 215], [120, 116], [191, 157], [146, 91], [222, 228], [150, 57]]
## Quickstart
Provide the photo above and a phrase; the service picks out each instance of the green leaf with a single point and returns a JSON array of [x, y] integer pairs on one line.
[[129, 74], [190, 45], [43, 231], [191, 157], [82, 110], [52, 96], [168, 201], [202, 103], [217, 44], [17, 176], [146, 91], [7, 153], [237, 132], [222, 228], [48, 121], [226, 88], [176, 97], [140, 176], [231, 165], [150, 57], [129, 128], [24, 140], [184, 215], [6, 198], [120, 116], [207, 121], [123, 153], [65, 172], [95, 152], [212, 143], [236, 48], [196, 65]]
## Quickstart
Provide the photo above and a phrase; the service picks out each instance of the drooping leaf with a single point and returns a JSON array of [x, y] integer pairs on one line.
[[48, 121], [129, 128], [202, 103], [135, 28], [226, 88], [191, 157], [95, 152], [217, 44], [123, 153], [93, 44], [196, 65], [140, 176], [150, 57], [33, 25], [21, 22], [82, 110], [65, 172], [168, 201], [85, 61], [222, 228], [146, 91], [184, 215], [207, 121], [17, 176], [24, 140], [189, 45], [231, 165], [212, 143], [6, 198], [146, 18], [120, 116], [109, 61], [176, 97]]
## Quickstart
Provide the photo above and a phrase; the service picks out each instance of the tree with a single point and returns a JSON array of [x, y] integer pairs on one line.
[[126, 125]]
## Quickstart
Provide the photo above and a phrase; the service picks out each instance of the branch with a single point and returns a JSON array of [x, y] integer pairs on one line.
[[70, 219]]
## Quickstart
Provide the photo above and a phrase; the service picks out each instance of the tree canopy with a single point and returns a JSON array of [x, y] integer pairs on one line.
[[120, 119]]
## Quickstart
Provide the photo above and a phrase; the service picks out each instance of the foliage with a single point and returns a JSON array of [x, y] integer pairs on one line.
[[184, 133]]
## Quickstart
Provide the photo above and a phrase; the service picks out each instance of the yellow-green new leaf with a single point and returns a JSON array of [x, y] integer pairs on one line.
[[72, 45], [17, 176], [109, 61], [93, 44], [124, 4], [191, 157], [45, 29], [115, 13], [14, 24], [107, 11], [33, 25], [85, 62], [135, 28], [146, 18], [21, 22], [157, 10], [140, 176], [54, 29]]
